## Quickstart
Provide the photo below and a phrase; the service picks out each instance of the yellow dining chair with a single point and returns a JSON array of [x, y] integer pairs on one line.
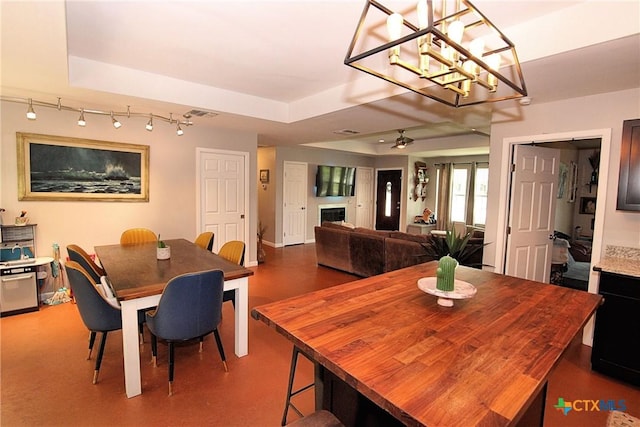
[[137, 235], [205, 240], [232, 251]]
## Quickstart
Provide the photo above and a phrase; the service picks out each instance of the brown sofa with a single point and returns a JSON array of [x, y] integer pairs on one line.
[[365, 252]]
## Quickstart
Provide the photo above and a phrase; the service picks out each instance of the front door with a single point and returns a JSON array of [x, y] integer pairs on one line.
[[388, 199], [222, 195], [532, 215]]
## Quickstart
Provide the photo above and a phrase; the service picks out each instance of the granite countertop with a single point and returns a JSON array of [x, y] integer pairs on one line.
[[620, 260]]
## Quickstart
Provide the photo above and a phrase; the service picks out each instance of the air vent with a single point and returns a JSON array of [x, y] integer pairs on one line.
[[199, 113], [346, 132]]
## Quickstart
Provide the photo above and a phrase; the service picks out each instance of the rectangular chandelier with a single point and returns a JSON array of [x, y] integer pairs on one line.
[[449, 52]]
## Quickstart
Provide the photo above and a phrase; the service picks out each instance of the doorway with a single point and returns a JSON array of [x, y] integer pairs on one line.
[[388, 190], [221, 197], [294, 218], [604, 135]]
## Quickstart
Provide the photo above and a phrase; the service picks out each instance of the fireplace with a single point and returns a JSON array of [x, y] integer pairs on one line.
[[334, 212]]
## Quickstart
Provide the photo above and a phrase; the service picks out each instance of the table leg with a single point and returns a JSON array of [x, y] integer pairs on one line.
[[241, 315], [130, 341], [130, 348]]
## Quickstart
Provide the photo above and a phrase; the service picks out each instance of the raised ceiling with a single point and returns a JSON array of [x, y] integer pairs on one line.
[[276, 67]]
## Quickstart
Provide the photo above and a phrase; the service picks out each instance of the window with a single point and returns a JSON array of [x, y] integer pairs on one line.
[[459, 185], [465, 196], [480, 195], [387, 200]]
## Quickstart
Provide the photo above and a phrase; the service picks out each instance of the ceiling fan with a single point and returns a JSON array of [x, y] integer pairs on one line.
[[402, 141]]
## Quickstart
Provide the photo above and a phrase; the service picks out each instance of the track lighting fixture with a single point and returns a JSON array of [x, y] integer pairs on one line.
[[116, 123], [31, 114], [81, 121], [114, 115]]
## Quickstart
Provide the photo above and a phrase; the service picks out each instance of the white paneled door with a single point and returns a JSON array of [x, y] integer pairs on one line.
[[532, 215], [222, 195], [294, 213], [364, 197]]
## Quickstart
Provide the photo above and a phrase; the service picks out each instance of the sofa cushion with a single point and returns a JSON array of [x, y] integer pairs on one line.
[[418, 238], [379, 233], [367, 254], [332, 248], [338, 225], [401, 253]]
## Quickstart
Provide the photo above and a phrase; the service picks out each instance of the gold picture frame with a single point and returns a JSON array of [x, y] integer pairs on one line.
[[76, 169], [264, 176]]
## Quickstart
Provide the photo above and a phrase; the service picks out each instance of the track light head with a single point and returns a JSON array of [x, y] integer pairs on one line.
[[149, 125], [31, 114], [81, 121], [116, 123], [179, 130]]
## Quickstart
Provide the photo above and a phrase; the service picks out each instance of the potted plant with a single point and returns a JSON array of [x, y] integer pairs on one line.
[[163, 251], [261, 230], [456, 246]]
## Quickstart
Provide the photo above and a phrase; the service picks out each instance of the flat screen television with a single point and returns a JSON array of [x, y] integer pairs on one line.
[[335, 181]]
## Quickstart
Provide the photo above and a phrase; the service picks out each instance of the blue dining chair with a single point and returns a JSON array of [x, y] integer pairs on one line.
[[79, 255], [98, 276], [96, 313], [190, 307]]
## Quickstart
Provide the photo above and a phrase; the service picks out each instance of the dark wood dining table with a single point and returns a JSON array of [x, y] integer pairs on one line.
[[484, 361], [138, 279]]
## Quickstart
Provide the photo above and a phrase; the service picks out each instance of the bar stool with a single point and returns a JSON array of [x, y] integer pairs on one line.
[[290, 392], [320, 418]]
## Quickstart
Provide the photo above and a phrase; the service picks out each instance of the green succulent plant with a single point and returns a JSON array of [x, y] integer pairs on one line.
[[455, 245]]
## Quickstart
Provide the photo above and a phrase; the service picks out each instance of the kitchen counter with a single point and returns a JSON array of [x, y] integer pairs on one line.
[[25, 262], [620, 260]]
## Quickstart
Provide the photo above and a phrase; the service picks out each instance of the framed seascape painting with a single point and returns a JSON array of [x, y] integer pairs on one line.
[[61, 168]]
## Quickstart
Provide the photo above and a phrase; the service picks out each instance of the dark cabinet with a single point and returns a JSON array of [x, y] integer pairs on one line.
[[629, 180], [616, 340]]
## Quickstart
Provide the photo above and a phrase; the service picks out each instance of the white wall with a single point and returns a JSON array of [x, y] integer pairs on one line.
[[573, 115], [171, 210]]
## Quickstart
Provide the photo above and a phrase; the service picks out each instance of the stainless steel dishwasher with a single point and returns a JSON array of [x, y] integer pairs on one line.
[[18, 290]]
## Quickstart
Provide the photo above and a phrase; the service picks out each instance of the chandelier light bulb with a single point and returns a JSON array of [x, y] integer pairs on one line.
[[423, 14], [455, 31], [31, 114], [394, 26], [493, 61]]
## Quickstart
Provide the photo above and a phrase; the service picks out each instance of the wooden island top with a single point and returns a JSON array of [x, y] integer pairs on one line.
[[481, 362]]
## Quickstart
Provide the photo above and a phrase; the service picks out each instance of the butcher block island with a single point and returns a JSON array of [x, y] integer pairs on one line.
[[383, 348]]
